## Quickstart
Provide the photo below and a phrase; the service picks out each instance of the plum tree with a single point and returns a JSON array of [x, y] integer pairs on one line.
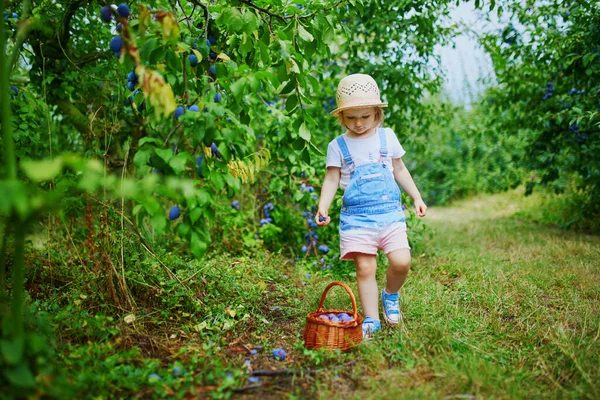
[[273, 63], [544, 97]]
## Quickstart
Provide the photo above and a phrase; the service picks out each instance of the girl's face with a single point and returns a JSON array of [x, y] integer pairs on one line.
[[360, 120]]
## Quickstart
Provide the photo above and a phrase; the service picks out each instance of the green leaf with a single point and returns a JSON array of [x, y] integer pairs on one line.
[[250, 21], [203, 197], [159, 222], [197, 245], [43, 170], [289, 87], [182, 230], [20, 376], [293, 66], [12, 350], [238, 88], [157, 55], [304, 132], [217, 180], [263, 50], [331, 21], [299, 144], [254, 83], [282, 74], [232, 18], [232, 182], [291, 103], [286, 45], [152, 206], [149, 140], [179, 162], [165, 154], [310, 49], [142, 157], [247, 45], [195, 215], [305, 155], [148, 47], [137, 209], [173, 61], [128, 188], [304, 34]]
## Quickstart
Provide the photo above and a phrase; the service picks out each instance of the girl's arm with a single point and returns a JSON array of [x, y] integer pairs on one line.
[[330, 185], [403, 177]]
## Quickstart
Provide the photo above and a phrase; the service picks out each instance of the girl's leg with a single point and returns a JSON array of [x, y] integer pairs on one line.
[[399, 261], [396, 274], [366, 267]]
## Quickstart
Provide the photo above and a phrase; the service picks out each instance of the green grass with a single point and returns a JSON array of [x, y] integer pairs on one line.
[[494, 307]]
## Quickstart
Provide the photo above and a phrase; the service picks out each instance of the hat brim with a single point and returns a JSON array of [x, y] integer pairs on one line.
[[340, 109]]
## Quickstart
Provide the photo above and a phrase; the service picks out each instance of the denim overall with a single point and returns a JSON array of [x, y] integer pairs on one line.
[[372, 198]]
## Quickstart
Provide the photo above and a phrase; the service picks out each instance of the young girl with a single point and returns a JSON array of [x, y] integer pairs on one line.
[[366, 162]]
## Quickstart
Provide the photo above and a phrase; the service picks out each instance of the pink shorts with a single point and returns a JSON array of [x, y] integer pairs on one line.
[[369, 240]]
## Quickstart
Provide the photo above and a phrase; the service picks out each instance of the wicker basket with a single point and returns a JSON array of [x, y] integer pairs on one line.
[[333, 335]]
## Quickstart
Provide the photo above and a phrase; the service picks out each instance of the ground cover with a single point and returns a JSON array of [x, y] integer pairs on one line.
[[496, 306]]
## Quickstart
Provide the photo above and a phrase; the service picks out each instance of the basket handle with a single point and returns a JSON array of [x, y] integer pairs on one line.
[[347, 289]]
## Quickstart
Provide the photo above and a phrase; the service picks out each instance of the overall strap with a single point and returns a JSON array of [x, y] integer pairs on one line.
[[382, 139], [345, 152]]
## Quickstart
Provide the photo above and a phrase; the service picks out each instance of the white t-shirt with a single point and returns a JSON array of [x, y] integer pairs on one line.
[[363, 151]]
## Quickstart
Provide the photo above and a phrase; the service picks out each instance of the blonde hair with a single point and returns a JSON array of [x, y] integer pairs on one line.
[[378, 117]]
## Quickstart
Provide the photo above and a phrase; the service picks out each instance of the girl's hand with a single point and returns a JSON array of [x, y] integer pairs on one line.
[[420, 208], [322, 219]]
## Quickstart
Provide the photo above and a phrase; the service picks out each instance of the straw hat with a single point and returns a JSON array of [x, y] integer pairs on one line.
[[358, 90]]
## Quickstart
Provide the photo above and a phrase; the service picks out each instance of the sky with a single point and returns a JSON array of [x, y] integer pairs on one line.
[[466, 65]]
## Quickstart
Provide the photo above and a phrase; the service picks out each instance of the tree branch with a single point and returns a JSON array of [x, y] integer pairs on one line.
[[268, 26], [339, 3], [69, 13], [22, 32], [287, 372], [78, 120], [206, 15], [264, 10], [187, 19]]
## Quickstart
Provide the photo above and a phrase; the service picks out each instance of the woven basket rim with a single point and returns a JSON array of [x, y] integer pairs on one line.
[[313, 317]]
